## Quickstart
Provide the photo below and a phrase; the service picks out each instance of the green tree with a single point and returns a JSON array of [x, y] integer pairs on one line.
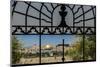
[[76, 51], [16, 55], [90, 47]]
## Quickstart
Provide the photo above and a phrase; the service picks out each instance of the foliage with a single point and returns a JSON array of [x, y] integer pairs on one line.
[[76, 51], [16, 55], [90, 48]]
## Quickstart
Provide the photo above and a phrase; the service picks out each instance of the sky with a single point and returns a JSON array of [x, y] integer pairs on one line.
[[31, 40]]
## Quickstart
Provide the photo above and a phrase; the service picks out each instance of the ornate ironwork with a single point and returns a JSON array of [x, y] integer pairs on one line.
[[73, 20], [27, 29]]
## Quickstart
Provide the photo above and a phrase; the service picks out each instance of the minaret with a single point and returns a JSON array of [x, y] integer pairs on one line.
[[63, 13]]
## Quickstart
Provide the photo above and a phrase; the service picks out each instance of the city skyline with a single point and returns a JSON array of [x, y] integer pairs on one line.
[[33, 40]]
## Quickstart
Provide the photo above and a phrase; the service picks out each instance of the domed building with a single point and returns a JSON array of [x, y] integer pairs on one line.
[[47, 47]]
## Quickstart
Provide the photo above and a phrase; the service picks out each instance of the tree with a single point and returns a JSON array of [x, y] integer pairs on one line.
[[90, 47], [76, 50], [16, 55]]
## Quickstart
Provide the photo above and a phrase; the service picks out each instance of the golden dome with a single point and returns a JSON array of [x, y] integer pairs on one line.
[[47, 46]]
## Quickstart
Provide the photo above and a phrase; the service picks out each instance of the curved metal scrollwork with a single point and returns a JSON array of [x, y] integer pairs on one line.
[[80, 24], [43, 19]]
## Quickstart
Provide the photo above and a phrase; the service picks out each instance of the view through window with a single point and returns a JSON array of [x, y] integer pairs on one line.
[[45, 33]]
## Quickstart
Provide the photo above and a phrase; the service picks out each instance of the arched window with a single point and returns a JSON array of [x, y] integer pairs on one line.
[[53, 32]]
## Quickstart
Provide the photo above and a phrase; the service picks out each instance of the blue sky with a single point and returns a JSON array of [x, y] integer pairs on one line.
[[30, 40]]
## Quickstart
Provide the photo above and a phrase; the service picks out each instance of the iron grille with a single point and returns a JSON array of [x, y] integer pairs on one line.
[[52, 19]]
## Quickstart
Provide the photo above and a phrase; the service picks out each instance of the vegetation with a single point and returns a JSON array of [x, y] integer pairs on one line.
[[16, 55], [76, 52], [90, 48]]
